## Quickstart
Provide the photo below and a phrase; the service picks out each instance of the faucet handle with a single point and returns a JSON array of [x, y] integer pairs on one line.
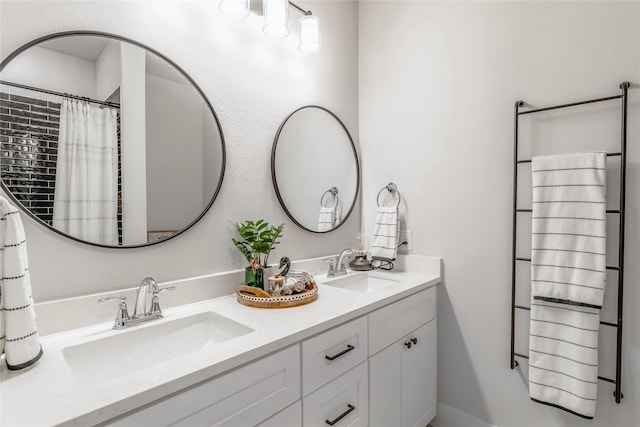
[[155, 301], [123, 313], [157, 290], [332, 266]]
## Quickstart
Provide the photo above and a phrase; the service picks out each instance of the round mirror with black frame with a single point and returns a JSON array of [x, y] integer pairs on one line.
[[315, 169], [107, 141]]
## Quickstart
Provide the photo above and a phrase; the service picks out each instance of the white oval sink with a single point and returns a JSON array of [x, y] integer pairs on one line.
[[135, 349], [366, 282]]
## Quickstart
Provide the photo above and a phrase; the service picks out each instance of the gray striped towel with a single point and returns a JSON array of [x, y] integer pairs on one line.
[[19, 339], [568, 276], [384, 243]]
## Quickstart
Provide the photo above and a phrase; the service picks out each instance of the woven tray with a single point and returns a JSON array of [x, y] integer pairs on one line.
[[309, 295]]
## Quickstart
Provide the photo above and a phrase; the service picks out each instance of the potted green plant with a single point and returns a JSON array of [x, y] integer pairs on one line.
[[258, 239]]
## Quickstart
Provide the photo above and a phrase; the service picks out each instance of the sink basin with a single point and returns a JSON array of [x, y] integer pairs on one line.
[[139, 348], [362, 282]]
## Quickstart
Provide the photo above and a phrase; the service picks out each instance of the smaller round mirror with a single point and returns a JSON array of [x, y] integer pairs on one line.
[[315, 169]]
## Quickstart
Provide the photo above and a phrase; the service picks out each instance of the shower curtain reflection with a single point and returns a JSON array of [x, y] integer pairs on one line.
[[86, 195]]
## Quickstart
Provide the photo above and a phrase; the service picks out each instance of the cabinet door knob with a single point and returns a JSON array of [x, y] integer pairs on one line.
[[408, 344], [414, 340], [341, 416], [343, 352]]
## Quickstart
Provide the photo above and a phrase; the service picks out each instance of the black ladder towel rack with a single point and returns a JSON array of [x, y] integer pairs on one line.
[[624, 87]]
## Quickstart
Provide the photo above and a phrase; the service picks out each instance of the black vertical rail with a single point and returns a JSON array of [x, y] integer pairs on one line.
[[518, 104], [623, 183]]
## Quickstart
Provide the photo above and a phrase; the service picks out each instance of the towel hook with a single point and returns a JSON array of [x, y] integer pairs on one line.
[[334, 193], [391, 188]]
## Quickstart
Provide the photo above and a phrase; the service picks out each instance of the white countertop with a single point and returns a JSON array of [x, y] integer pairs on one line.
[[50, 394]]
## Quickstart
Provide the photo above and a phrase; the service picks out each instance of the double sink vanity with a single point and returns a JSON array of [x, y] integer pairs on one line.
[[363, 353]]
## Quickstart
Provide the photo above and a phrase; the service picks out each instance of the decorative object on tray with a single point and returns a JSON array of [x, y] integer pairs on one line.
[[294, 289], [258, 239]]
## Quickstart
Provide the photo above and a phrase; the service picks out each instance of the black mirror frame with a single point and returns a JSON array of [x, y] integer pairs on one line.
[[186, 76], [275, 181]]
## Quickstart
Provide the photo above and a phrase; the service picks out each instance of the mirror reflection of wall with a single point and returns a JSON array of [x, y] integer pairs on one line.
[[315, 169], [168, 155]]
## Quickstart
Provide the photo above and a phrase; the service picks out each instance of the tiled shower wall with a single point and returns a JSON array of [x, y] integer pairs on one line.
[[28, 151]]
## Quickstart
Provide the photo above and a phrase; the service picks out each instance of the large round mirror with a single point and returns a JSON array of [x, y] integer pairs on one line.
[[315, 169], [106, 141]]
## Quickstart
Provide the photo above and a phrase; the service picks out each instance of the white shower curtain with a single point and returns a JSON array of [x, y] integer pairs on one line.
[[86, 194]]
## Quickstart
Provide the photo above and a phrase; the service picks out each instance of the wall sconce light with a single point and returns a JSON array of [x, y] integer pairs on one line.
[[276, 16], [237, 9], [309, 34]]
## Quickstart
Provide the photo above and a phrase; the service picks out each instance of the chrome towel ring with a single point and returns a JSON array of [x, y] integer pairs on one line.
[[391, 188]]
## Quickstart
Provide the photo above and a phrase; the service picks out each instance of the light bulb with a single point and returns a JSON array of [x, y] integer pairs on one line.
[[234, 8], [276, 15], [309, 34]]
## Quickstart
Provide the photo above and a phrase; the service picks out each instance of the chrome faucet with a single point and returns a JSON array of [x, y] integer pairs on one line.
[[338, 266], [147, 305], [147, 290]]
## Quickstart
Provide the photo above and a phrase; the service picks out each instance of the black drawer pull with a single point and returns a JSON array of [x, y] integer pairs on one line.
[[344, 414], [343, 352], [414, 340]]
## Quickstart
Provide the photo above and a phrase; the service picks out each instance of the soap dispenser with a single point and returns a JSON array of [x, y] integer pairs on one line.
[[360, 246]]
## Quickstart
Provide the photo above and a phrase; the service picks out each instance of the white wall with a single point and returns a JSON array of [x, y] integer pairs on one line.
[[63, 73], [108, 70], [133, 119], [252, 82], [438, 82], [174, 154]]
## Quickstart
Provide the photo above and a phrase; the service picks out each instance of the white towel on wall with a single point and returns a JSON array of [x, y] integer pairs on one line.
[[326, 218], [563, 356], [568, 258], [384, 243], [19, 339], [568, 276]]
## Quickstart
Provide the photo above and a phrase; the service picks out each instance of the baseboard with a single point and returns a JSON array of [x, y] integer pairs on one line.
[[448, 416]]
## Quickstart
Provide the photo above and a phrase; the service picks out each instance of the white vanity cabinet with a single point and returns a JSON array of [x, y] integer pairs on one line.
[[376, 370], [403, 372], [243, 397]]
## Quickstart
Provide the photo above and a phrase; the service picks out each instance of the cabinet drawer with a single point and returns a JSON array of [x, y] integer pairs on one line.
[[343, 402], [333, 353], [245, 396], [389, 323], [290, 417]]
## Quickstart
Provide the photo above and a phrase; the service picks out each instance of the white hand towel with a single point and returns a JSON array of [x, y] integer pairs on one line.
[[326, 218], [19, 339], [563, 356], [384, 243], [568, 260]]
